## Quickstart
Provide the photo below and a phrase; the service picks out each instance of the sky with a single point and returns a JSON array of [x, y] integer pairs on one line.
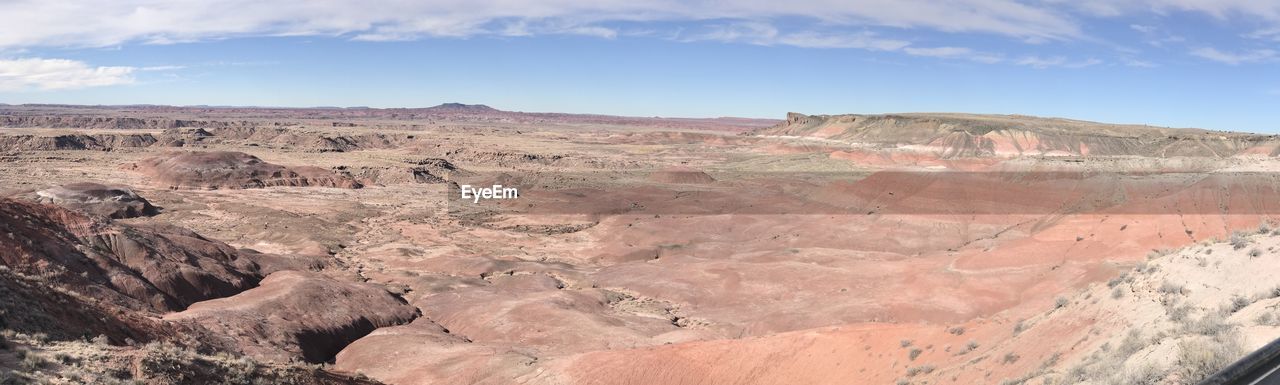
[[1179, 63]]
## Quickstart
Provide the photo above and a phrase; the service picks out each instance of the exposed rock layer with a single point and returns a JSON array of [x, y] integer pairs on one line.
[[233, 170]]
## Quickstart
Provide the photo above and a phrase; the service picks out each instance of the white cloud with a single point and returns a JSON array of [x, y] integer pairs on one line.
[[1156, 36], [1267, 34], [1055, 61], [1221, 9], [1232, 58], [86, 23], [954, 53], [760, 33], [58, 74], [1138, 63], [1142, 28]]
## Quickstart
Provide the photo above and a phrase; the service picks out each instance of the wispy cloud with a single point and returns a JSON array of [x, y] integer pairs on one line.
[[1221, 9], [954, 53], [1237, 58], [59, 74], [761, 33], [1266, 34], [85, 23], [1131, 62], [1156, 36], [1055, 62]]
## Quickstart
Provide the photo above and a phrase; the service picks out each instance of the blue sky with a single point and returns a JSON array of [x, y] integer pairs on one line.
[[1185, 63]]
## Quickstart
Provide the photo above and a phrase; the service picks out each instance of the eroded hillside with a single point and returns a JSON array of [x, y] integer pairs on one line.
[[824, 250]]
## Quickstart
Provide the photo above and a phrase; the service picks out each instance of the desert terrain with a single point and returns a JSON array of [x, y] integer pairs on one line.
[[176, 245]]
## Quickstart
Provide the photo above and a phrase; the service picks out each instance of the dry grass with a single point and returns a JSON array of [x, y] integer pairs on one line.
[[85, 362], [1200, 357], [913, 353], [918, 370], [1240, 240]]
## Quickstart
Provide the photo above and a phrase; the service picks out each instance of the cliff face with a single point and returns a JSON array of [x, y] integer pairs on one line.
[[964, 135]]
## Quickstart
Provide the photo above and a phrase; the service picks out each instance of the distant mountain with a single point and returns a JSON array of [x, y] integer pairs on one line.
[[459, 107], [162, 117]]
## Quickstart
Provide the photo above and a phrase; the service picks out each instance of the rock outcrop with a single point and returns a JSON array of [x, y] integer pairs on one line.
[[101, 142], [97, 199], [162, 268], [299, 316], [233, 170]]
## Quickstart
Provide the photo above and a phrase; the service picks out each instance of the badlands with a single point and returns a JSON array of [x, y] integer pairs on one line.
[[194, 245]]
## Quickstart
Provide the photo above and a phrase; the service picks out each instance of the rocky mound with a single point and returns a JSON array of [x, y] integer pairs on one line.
[[966, 135], [682, 175], [56, 120], [98, 199], [99, 142], [233, 170], [157, 267], [426, 170], [299, 316]]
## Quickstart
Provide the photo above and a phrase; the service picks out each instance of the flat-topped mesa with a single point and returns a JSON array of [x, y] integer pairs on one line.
[[233, 170], [969, 135], [462, 108], [96, 199]]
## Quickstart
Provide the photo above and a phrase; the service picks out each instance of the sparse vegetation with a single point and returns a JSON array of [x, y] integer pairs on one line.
[[1146, 374], [165, 361], [1239, 240], [957, 330], [913, 353], [1044, 368], [1157, 253], [918, 370], [1178, 313], [1168, 287], [1061, 302], [1019, 327], [1209, 324], [1255, 253], [1199, 357], [1236, 303], [905, 343], [1266, 319], [1010, 358], [32, 362], [1117, 280]]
